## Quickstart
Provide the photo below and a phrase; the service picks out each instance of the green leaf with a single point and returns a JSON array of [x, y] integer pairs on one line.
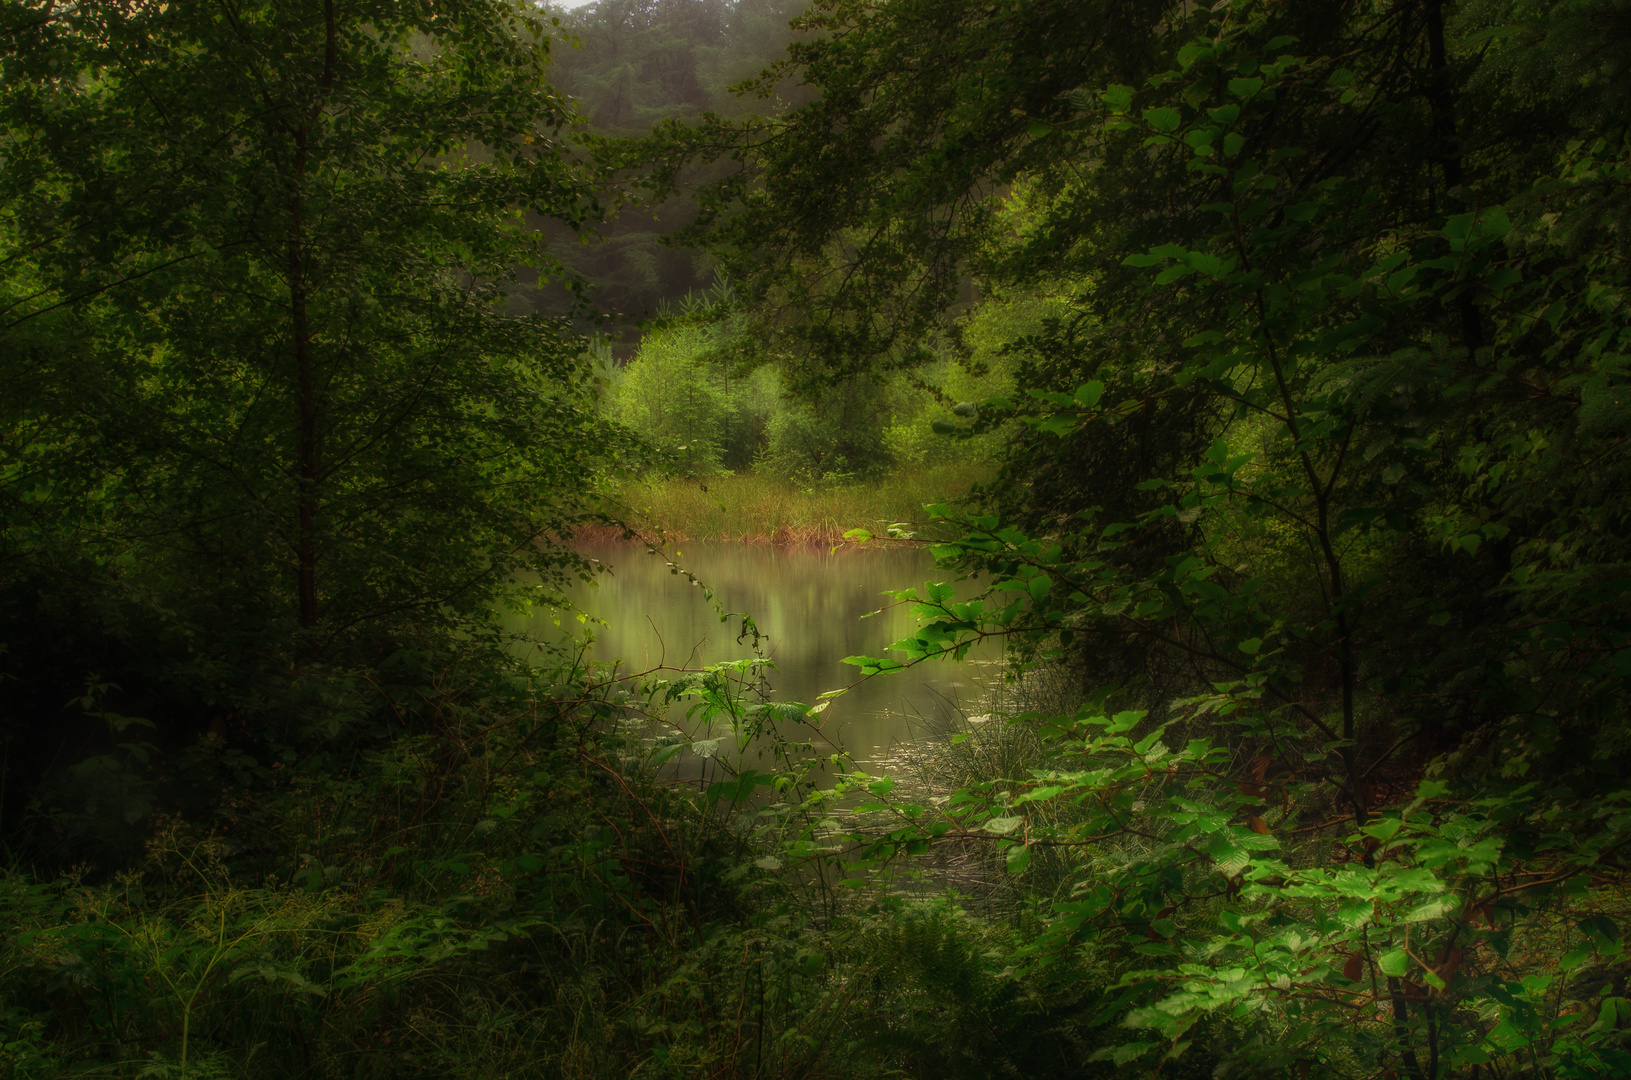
[[1118, 98], [1433, 909], [1193, 51], [1089, 394], [1462, 1056], [1384, 830], [1245, 88], [1230, 860], [1394, 963], [1459, 227], [1062, 424], [1575, 957], [872, 665], [1017, 858], [1002, 826], [1204, 263], [1613, 1012], [1495, 223], [1163, 119]]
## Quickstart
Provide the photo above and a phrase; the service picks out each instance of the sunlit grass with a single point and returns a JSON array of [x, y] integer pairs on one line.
[[759, 508]]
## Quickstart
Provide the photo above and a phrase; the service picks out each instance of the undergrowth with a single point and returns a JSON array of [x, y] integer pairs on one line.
[[491, 891], [493, 882]]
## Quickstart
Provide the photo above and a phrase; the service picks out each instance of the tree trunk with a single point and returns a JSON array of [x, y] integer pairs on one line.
[[306, 455], [1447, 150], [306, 404]]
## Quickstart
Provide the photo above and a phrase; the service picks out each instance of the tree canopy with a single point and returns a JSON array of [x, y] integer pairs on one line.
[[265, 406]]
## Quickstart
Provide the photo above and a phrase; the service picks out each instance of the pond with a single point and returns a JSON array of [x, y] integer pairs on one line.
[[815, 606]]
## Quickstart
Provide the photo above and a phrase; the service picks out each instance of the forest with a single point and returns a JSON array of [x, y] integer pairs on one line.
[[1252, 380]]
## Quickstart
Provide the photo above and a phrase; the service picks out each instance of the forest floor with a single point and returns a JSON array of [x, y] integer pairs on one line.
[[752, 507]]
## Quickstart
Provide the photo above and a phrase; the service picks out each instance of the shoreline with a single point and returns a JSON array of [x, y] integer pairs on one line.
[[755, 508], [784, 536]]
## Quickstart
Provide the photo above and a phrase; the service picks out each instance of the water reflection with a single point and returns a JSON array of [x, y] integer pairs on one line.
[[810, 603]]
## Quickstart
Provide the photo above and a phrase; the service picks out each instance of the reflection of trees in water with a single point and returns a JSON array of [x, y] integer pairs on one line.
[[809, 602]]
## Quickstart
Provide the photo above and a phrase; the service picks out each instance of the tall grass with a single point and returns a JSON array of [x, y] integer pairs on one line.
[[756, 507]]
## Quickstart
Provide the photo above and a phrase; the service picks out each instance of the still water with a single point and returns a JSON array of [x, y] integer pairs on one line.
[[815, 606]]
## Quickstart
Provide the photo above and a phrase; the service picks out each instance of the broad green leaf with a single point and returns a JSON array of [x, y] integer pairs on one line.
[[1230, 859], [1575, 957], [1118, 98], [1163, 119], [1193, 51], [1384, 830], [1089, 394], [1459, 227]]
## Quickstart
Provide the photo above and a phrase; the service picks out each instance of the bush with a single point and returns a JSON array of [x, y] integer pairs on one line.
[[495, 886], [681, 394], [837, 437]]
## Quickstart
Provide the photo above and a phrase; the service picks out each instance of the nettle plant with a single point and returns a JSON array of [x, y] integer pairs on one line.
[[1378, 832]]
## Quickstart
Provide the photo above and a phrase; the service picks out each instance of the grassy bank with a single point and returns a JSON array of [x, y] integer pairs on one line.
[[759, 508]]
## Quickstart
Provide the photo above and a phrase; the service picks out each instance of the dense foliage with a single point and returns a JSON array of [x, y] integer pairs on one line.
[[690, 390], [280, 448], [1323, 493], [254, 265], [1301, 330]]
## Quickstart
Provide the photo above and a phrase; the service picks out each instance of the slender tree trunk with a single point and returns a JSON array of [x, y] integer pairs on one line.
[[1401, 1031], [306, 450], [306, 404], [1447, 150]]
